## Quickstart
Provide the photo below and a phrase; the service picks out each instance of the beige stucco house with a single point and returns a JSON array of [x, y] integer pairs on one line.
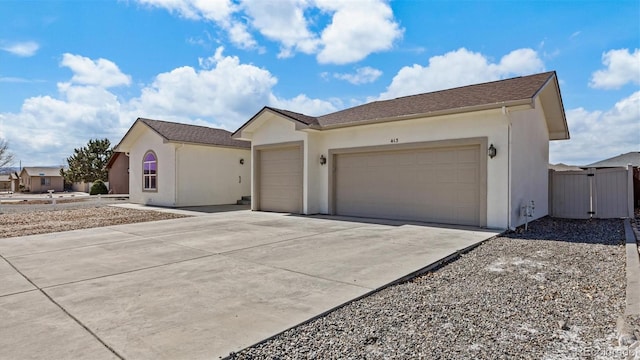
[[473, 155], [118, 173], [41, 179], [172, 164], [5, 182]]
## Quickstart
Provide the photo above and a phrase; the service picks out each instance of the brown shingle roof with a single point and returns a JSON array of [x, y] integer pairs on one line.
[[491, 93], [305, 119], [194, 134]]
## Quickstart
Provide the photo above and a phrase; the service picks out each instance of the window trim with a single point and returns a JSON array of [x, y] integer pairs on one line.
[[149, 175]]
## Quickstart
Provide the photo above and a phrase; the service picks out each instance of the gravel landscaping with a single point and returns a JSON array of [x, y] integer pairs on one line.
[[553, 292], [29, 219]]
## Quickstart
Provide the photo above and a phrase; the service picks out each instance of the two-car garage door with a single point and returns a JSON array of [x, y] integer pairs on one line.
[[440, 185]]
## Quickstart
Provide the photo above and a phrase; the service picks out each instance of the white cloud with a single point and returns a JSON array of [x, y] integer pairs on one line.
[[47, 129], [362, 75], [305, 105], [13, 79], [100, 72], [222, 92], [220, 12], [23, 49], [214, 10], [597, 135], [241, 37], [283, 21], [225, 90], [356, 28], [622, 67], [459, 68]]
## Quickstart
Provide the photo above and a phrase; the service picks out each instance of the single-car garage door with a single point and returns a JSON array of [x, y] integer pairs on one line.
[[280, 184], [440, 185]]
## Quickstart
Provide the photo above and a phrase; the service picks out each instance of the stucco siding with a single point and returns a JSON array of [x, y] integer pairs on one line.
[[529, 163], [275, 131], [119, 175], [490, 124], [451, 127], [165, 153], [212, 175], [56, 184]]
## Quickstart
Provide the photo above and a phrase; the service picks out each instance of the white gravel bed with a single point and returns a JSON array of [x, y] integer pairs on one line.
[[553, 292]]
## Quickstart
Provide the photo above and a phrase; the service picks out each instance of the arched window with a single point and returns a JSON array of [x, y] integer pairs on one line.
[[149, 171]]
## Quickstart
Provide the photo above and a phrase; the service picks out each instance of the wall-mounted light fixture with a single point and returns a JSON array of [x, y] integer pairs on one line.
[[492, 151], [241, 161], [323, 160]]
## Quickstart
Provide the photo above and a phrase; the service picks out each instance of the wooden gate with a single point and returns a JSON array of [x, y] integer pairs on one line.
[[592, 193]]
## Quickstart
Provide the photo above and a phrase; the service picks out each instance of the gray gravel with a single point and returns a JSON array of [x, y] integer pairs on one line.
[[553, 292], [61, 204]]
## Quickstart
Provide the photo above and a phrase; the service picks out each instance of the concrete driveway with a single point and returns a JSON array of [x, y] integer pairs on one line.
[[198, 287]]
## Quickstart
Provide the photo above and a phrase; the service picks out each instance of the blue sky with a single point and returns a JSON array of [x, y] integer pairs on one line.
[[75, 70]]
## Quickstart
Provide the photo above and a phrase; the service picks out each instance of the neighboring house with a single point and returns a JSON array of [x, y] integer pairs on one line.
[[15, 181], [630, 158], [118, 168], [5, 182], [41, 179], [623, 160], [564, 167], [173, 164], [473, 155]]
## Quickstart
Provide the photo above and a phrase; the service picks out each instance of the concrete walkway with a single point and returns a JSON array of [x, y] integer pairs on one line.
[[199, 287]]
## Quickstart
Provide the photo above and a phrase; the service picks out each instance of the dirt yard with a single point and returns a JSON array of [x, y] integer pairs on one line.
[[39, 221]]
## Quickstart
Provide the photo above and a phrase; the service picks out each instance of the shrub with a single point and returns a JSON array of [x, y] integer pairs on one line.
[[98, 187]]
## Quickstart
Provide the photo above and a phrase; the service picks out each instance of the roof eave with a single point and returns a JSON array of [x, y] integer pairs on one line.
[[553, 109], [117, 148], [241, 134]]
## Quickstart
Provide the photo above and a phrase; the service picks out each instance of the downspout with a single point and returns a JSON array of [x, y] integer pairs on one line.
[[505, 112], [175, 174]]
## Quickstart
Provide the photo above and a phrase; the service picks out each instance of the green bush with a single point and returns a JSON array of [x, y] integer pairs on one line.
[[98, 187]]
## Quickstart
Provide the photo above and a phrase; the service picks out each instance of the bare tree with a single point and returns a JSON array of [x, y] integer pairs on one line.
[[6, 157]]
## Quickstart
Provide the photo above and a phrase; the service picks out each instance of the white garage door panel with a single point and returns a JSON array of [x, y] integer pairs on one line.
[[281, 180], [436, 185]]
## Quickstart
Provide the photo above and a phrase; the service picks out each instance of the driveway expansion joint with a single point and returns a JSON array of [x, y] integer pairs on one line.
[[18, 292], [284, 240], [128, 271], [86, 328]]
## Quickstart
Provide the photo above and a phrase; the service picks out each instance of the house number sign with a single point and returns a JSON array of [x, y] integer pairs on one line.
[[394, 140]]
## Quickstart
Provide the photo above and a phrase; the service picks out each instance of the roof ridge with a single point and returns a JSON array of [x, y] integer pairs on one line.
[[473, 85], [182, 124]]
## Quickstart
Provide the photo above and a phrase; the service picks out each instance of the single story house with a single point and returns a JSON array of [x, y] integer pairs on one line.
[[118, 173], [474, 155], [41, 179], [564, 167], [172, 164], [5, 182]]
